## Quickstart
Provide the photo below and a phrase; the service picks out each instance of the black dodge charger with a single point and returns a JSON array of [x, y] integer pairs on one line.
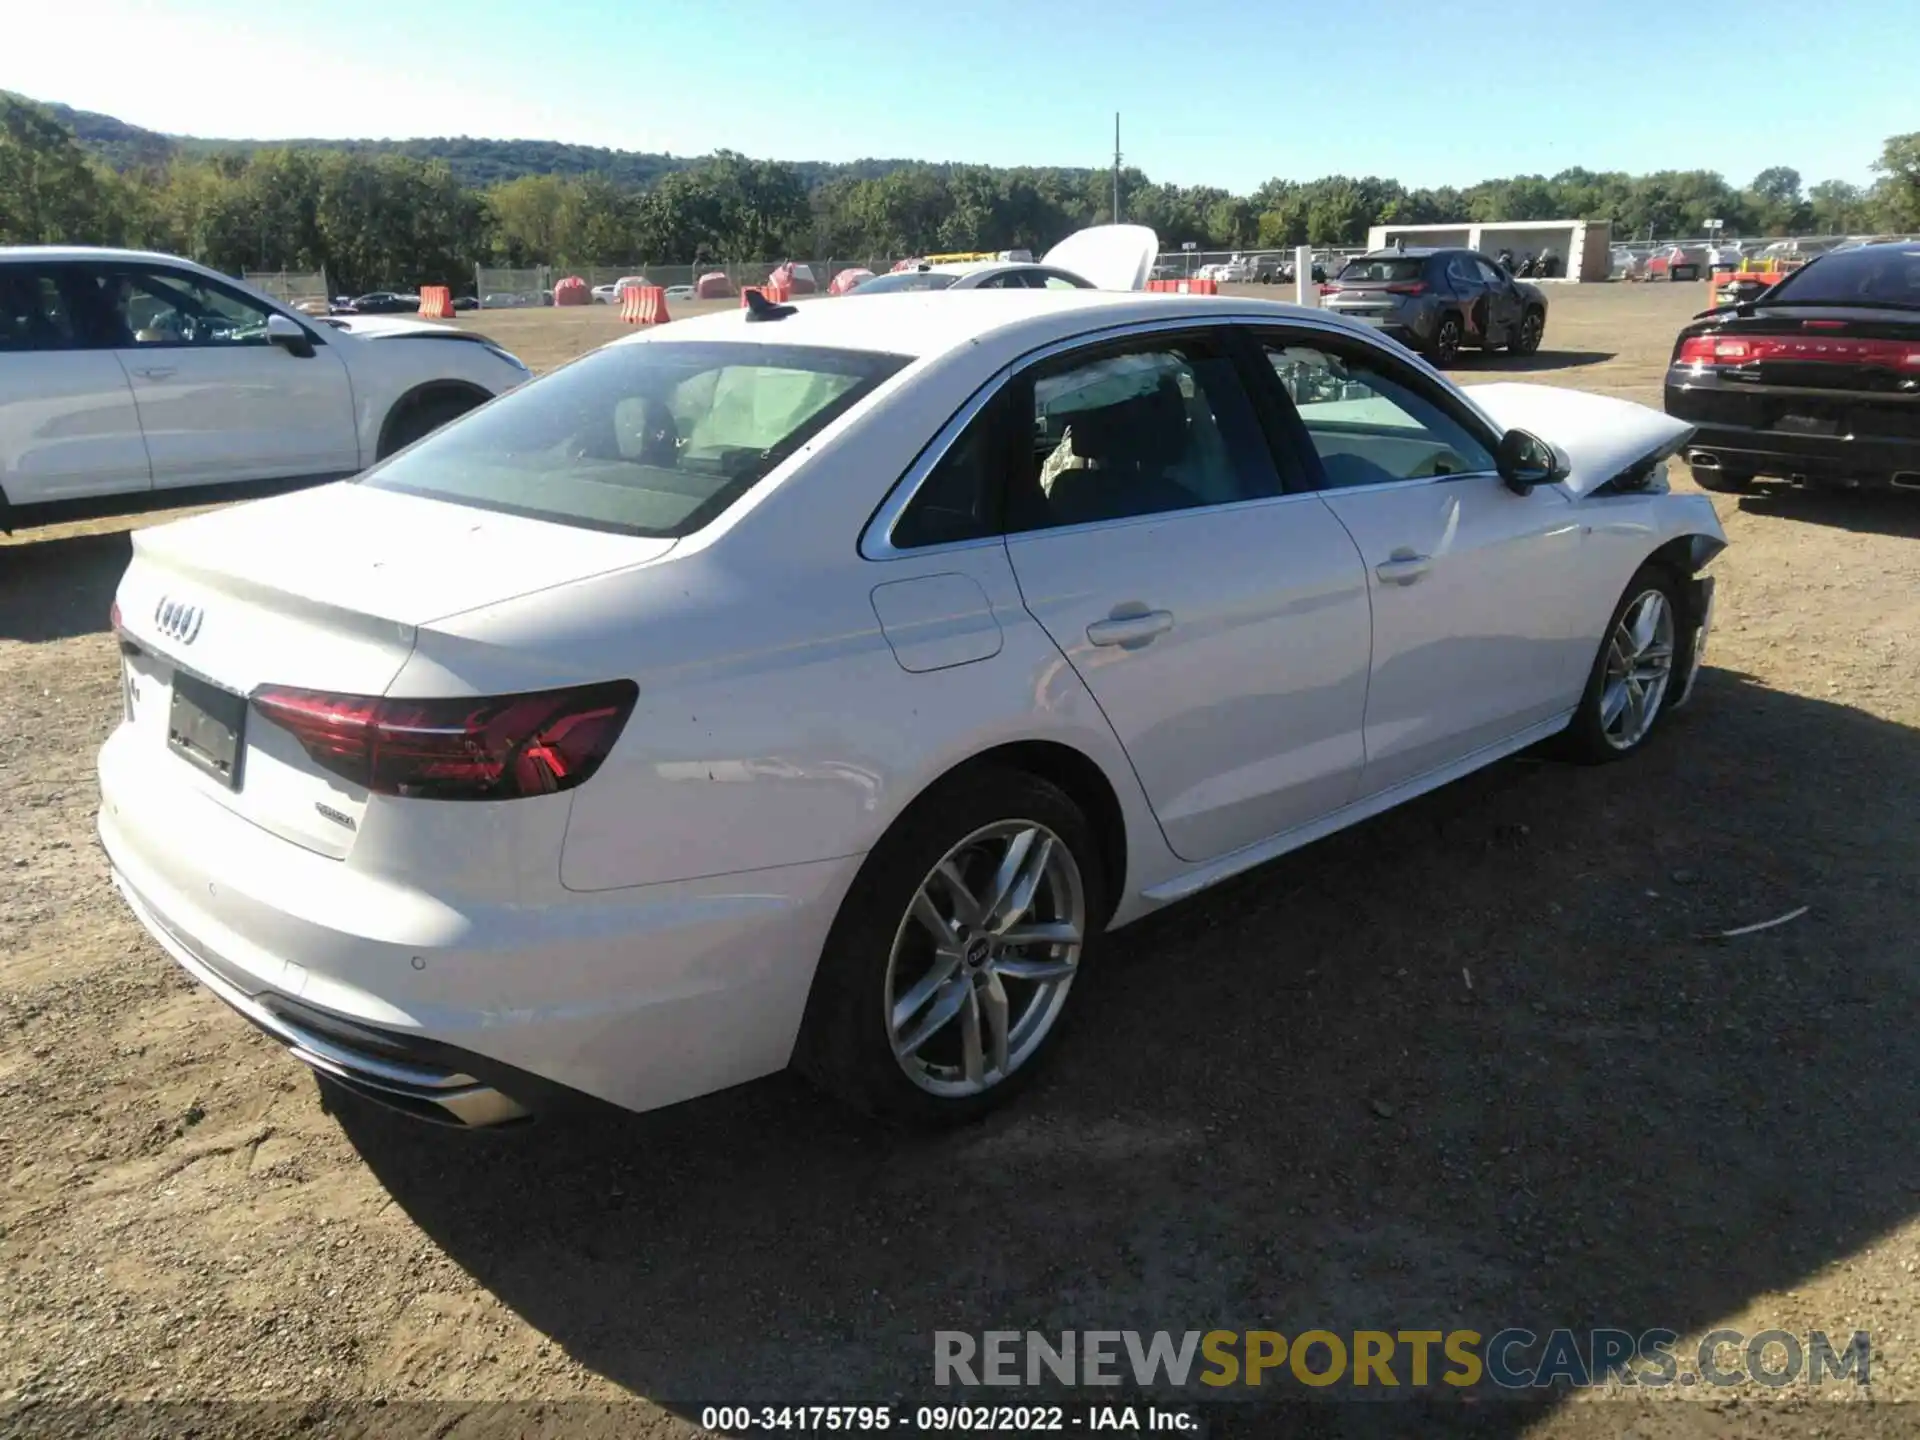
[[1816, 381]]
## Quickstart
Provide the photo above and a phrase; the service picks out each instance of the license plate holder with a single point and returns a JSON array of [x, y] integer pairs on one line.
[[206, 727], [1800, 423]]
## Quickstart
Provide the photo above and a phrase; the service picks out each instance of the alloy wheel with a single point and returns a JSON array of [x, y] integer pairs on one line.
[[1639, 666], [984, 957]]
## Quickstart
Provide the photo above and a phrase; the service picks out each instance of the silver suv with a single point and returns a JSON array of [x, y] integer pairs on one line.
[[1437, 301]]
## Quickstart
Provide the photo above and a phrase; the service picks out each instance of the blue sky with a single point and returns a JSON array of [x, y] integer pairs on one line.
[[1227, 92]]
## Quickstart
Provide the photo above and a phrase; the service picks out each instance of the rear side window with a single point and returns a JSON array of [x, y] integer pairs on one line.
[[34, 314], [1138, 432], [655, 439], [1369, 268], [1877, 276], [959, 498]]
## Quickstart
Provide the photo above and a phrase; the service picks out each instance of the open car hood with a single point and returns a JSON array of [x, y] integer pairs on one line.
[[1600, 437], [1113, 257]]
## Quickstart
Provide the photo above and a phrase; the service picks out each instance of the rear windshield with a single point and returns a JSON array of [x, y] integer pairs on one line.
[[905, 280], [1366, 268], [1878, 276], [653, 439]]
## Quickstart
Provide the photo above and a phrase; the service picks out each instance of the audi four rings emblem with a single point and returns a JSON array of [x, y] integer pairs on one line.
[[177, 619]]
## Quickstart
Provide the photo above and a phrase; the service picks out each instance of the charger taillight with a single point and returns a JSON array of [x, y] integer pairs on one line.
[[1728, 350], [501, 747]]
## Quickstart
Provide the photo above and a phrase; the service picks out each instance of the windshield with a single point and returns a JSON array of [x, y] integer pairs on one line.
[[905, 280], [1385, 271], [1880, 275], [653, 439]]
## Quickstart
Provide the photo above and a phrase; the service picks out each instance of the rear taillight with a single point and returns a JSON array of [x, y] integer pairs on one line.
[[1407, 287], [1723, 350], [1329, 289], [113, 618], [496, 748]]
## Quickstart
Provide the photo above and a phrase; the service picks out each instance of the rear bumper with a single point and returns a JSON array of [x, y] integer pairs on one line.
[[452, 1009], [1726, 437]]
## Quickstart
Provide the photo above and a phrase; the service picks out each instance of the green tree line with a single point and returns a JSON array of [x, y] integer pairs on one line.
[[390, 218]]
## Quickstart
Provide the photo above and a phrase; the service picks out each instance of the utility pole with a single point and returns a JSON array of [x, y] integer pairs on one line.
[[1116, 167]]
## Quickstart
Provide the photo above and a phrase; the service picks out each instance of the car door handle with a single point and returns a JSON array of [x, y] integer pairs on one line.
[[1130, 629], [1403, 567], [155, 372]]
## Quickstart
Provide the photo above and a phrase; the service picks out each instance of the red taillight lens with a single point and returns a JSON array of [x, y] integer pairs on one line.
[[113, 618], [1329, 289], [1407, 287], [496, 748], [1720, 350]]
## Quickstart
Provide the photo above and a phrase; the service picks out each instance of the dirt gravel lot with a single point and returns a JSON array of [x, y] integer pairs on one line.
[[1283, 1107]]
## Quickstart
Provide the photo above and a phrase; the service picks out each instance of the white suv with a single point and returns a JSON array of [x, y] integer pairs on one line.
[[125, 374]]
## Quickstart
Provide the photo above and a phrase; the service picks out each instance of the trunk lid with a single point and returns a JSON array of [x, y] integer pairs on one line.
[[321, 590], [1824, 347], [1601, 436]]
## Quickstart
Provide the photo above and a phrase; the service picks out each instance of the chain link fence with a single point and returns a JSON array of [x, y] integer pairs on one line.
[[290, 287]]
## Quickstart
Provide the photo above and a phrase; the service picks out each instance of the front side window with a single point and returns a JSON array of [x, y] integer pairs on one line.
[[161, 307], [652, 439], [1490, 272], [1368, 427], [1139, 433]]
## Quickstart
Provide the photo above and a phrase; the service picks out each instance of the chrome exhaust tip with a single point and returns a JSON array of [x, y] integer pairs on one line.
[[1907, 480], [1703, 460]]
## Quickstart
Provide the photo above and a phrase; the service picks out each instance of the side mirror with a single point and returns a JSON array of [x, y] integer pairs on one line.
[[1525, 461], [289, 336]]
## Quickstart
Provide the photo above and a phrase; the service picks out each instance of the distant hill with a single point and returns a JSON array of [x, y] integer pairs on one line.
[[473, 161]]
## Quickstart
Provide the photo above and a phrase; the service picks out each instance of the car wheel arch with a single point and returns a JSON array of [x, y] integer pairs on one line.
[[1073, 771], [425, 394]]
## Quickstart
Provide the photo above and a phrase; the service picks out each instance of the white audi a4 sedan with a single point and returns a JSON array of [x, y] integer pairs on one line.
[[814, 685], [129, 378]]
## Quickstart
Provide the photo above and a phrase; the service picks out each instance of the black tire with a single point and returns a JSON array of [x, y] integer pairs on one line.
[[1587, 739], [1445, 349], [845, 1046], [1725, 482], [1533, 328], [418, 419]]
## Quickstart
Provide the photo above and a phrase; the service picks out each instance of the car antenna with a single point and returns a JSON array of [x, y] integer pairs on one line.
[[760, 308]]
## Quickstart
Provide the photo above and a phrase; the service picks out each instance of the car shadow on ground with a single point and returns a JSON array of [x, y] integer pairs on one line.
[[1472, 361], [1868, 512], [59, 587], [1469, 1065]]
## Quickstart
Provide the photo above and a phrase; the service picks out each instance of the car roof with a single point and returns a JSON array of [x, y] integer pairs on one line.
[[88, 252], [928, 323]]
